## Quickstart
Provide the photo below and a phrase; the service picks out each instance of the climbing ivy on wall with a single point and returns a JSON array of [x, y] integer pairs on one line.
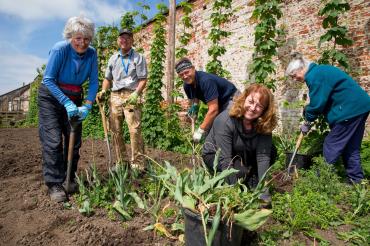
[[222, 12], [185, 35], [153, 115], [266, 13], [335, 35]]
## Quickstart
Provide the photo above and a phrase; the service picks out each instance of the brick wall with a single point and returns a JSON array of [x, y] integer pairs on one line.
[[303, 29]]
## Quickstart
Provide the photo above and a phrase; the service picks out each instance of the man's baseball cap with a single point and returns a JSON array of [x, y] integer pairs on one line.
[[125, 30]]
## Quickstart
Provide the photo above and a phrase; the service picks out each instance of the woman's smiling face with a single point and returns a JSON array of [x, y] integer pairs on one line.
[[253, 106]]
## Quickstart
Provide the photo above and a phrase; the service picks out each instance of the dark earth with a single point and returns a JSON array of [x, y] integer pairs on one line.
[[28, 217]]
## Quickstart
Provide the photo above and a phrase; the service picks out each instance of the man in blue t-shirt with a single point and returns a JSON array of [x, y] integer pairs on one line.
[[211, 89]]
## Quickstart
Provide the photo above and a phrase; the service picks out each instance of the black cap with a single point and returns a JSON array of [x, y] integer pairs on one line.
[[125, 30]]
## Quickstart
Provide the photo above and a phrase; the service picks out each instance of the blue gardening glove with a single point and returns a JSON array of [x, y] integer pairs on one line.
[[71, 109], [193, 110], [132, 99], [305, 127], [198, 134], [83, 111]]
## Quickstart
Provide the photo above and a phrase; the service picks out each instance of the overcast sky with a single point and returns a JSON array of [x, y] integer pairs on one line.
[[29, 28]]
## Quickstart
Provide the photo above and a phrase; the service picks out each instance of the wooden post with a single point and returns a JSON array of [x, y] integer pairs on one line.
[[171, 50]]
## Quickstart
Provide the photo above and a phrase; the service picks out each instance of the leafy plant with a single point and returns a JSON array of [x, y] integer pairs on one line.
[[221, 15], [153, 116], [304, 211], [365, 156], [124, 197], [266, 13], [209, 196], [32, 118], [185, 36], [92, 192], [336, 34]]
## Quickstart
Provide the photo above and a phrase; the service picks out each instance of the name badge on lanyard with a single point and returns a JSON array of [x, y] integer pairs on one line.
[[126, 66]]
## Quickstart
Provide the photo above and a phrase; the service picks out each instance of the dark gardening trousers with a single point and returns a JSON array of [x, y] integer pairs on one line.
[[345, 139], [53, 126]]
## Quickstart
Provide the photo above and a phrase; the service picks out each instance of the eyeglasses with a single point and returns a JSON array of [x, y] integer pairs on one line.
[[81, 40]]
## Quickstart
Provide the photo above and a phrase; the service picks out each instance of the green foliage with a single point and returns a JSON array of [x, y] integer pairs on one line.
[[32, 118], [335, 34], [201, 192], [304, 211], [92, 191], [266, 12], [128, 20], [105, 42], [186, 25], [153, 115], [222, 13], [316, 179], [365, 156], [359, 235], [360, 199], [175, 136], [125, 198]]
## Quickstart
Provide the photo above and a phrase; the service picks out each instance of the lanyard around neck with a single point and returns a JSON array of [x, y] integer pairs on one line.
[[125, 67]]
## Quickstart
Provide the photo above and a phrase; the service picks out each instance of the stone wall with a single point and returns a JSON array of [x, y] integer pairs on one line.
[[303, 29]]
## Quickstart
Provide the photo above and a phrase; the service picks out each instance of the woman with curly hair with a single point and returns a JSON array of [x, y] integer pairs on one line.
[[244, 135]]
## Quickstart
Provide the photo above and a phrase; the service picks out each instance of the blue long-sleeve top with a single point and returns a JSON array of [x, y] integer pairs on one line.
[[66, 66], [334, 94]]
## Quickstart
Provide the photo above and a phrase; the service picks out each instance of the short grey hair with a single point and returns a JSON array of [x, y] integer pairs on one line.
[[296, 63], [79, 24]]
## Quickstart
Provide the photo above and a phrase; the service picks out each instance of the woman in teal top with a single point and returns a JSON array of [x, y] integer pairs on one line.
[[344, 104]]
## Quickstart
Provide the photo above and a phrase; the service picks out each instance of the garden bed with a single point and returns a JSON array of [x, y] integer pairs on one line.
[[28, 217]]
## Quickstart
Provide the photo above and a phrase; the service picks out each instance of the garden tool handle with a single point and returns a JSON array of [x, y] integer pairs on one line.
[[105, 128], [298, 144], [73, 122], [299, 141], [104, 120]]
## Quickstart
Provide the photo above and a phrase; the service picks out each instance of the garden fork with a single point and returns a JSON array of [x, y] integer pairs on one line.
[[298, 144]]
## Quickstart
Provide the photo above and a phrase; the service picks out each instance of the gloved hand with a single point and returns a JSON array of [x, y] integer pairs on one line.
[[198, 134], [71, 109], [83, 111], [101, 94], [132, 99], [305, 127], [193, 110]]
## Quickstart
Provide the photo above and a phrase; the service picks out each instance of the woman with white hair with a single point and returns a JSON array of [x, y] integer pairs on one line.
[[345, 106], [71, 63]]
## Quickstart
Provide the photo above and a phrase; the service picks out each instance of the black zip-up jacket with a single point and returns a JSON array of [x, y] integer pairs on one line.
[[253, 149]]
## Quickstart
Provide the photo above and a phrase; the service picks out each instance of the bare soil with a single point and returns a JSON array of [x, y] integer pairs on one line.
[[28, 217]]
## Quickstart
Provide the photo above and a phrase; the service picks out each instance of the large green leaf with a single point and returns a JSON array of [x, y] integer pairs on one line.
[[252, 219], [119, 208], [210, 183], [215, 223], [138, 200], [189, 202]]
